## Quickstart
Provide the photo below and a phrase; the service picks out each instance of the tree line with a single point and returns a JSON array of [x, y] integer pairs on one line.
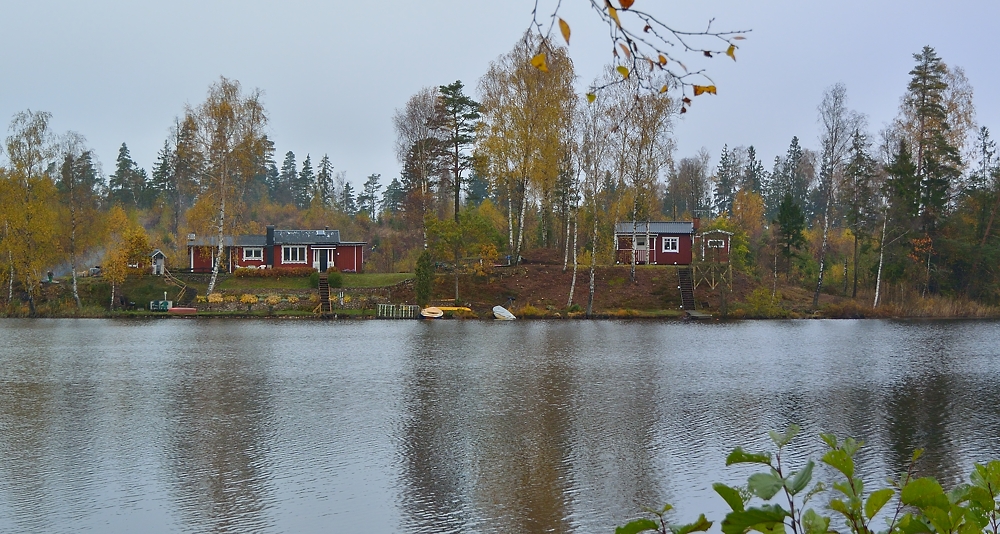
[[526, 162]]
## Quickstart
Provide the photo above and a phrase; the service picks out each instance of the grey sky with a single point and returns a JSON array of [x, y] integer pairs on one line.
[[333, 72]]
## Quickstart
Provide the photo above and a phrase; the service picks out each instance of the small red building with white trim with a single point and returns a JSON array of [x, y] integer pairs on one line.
[[655, 243], [319, 249]]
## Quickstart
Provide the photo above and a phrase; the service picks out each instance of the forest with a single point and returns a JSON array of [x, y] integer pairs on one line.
[[523, 162]]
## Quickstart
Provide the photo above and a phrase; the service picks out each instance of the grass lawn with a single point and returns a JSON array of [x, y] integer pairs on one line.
[[374, 279]]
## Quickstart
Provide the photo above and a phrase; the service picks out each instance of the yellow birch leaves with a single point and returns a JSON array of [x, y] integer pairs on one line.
[[564, 28], [539, 62]]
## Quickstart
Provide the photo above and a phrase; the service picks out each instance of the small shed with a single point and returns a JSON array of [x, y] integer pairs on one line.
[[157, 262]]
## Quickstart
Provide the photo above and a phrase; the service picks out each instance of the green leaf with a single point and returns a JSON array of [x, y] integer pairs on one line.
[[730, 495], [829, 439], [739, 456], [801, 479], [765, 516], [639, 525], [701, 525], [813, 523], [838, 505], [841, 461], [876, 501], [779, 438], [764, 485], [924, 492]]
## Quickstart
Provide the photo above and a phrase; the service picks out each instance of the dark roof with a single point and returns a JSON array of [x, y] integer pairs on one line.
[[307, 237], [660, 227], [281, 237]]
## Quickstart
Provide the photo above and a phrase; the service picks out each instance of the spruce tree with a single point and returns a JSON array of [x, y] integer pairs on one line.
[[791, 225], [285, 194], [324, 182], [128, 185], [304, 184], [347, 201], [392, 200], [727, 177]]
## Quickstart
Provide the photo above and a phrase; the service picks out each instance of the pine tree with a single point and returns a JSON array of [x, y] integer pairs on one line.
[[456, 117], [368, 199]]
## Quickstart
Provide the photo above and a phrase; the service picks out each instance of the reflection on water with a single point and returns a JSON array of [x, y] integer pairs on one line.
[[450, 426]]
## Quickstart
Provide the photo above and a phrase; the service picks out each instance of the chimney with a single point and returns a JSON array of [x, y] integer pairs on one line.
[[696, 223], [269, 246]]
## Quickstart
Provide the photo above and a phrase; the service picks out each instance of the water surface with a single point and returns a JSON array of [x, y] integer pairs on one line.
[[451, 426]]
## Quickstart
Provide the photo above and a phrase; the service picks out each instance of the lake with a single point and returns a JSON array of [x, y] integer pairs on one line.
[[187, 425]]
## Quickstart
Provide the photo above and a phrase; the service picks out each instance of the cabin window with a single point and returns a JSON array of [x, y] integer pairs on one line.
[[293, 254], [716, 243], [640, 241], [253, 253], [671, 244]]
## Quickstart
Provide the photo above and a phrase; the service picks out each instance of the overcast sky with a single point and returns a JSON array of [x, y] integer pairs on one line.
[[333, 72]]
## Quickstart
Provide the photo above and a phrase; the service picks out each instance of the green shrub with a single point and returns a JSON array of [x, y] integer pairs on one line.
[[335, 278]]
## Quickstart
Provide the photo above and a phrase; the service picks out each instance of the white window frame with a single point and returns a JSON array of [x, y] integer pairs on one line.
[[675, 241], [640, 242], [294, 254], [716, 243], [258, 254]]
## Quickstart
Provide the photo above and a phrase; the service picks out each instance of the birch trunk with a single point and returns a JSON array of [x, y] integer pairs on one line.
[[593, 260], [881, 257], [822, 252], [221, 246], [572, 283]]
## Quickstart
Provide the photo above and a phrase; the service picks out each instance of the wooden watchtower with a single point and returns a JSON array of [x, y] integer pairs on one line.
[[712, 265]]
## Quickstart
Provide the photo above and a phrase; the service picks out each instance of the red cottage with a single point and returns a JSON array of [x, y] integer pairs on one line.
[[655, 243], [320, 249]]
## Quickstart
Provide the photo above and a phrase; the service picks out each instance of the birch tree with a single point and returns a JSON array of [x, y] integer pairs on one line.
[[229, 132], [525, 113], [78, 186], [838, 123], [27, 203]]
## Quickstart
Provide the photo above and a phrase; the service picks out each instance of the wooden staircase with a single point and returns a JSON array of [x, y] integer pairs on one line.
[[687, 288], [186, 294], [325, 306]]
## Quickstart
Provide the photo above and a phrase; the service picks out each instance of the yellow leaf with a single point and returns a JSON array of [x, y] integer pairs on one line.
[[663, 59], [731, 52], [699, 89], [628, 53], [614, 14], [591, 97], [663, 89], [622, 70], [564, 28], [627, 3], [539, 62]]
